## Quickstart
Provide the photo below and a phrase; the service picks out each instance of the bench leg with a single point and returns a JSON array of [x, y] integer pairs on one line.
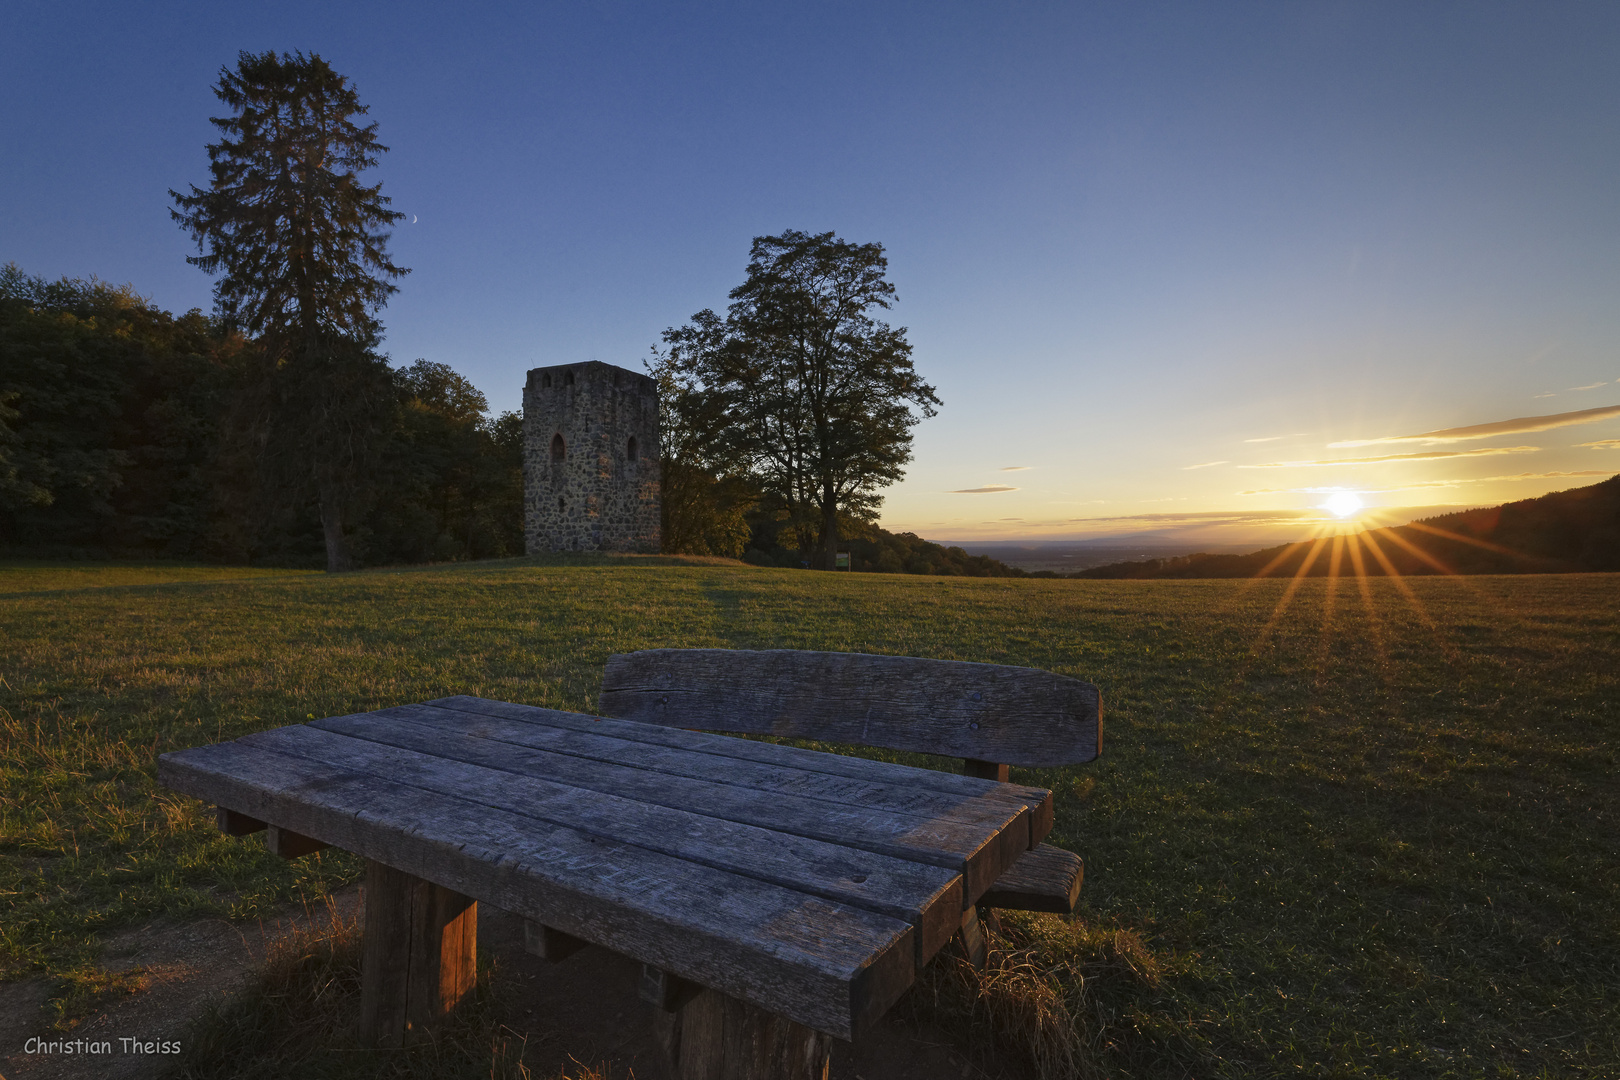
[[971, 940], [716, 1037], [418, 957]]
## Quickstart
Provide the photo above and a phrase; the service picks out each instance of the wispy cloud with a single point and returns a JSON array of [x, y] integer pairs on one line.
[[1512, 476], [1603, 444], [1274, 438], [991, 490], [1204, 517], [1206, 464], [1593, 386], [1432, 483], [1016, 468], [1425, 455], [1549, 393], [1520, 426]]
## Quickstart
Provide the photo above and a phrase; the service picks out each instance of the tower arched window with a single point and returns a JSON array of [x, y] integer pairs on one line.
[[545, 380], [568, 378], [630, 450], [558, 449]]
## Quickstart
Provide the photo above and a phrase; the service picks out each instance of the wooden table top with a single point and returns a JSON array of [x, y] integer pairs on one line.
[[811, 884]]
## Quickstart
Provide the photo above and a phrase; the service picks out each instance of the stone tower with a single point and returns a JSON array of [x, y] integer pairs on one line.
[[590, 460]]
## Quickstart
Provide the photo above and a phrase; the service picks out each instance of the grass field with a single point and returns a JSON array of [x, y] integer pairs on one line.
[[1357, 830]]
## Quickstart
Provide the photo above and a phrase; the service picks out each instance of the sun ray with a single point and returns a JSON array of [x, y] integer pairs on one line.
[[1400, 582], [1468, 580], [1374, 622], [1475, 541], [1396, 538], [1287, 596], [1330, 596]]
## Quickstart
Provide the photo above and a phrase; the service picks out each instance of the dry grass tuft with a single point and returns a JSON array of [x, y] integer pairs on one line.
[[1045, 995]]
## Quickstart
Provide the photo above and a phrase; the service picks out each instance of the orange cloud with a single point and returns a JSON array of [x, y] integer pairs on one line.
[[1206, 464], [1426, 455], [1522, 425]]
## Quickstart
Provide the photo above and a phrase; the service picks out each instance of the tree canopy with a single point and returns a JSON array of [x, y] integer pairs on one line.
[[299, 244], [128, 431], [801, 386]]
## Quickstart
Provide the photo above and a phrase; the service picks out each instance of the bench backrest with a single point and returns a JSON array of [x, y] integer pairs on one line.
[[986, 713]]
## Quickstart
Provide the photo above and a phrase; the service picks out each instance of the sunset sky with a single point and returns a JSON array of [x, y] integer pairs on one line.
[[1182, 268]]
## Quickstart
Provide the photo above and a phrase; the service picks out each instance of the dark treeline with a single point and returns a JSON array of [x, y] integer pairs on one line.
[[876, 550], [126, 431], [1562, 532]]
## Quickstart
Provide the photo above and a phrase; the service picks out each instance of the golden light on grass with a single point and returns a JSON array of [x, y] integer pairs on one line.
[[1356, 530]]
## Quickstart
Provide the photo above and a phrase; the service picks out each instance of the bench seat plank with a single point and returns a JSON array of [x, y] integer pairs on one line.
[[975, 837], [1039, 800], [929, 897], [1045, 878], [987, 712], [829, 966]]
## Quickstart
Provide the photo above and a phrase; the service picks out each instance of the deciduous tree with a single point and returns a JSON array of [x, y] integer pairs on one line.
[[803, 386]]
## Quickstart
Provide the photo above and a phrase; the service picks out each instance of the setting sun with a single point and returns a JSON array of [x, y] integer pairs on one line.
[[1343, 503]]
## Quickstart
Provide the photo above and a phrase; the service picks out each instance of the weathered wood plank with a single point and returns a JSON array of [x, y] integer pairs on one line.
[[233, 824], [444, 953], [988, 712], [666, 992], [972, 941], [877, 772], [288, 844], [833, 809], [829, 966], [385, 955], [548, 943], [810, 772], [985, 770], [589, 738], [1046, 878], [929, 897], [716, 1037], [418, 954]]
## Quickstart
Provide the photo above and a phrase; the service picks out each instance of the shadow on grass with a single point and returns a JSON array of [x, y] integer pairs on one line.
[[299, 1018], [1058, 999]]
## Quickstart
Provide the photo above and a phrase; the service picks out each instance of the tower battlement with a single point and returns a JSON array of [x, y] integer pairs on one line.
[[590, 459]]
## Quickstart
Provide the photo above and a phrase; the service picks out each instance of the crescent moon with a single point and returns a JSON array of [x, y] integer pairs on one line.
[[413, 219]]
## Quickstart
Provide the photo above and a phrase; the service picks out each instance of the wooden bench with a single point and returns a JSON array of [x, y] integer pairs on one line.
[[804, 888], [992, 716]]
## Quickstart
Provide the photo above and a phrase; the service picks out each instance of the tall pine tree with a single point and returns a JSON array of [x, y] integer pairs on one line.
[[300, 247]]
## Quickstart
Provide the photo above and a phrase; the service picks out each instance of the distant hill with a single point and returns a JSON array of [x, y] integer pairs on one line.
[[1560, 532]]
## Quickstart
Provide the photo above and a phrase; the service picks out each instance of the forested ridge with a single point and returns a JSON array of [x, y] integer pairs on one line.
[[127, 431], [1561, 532]]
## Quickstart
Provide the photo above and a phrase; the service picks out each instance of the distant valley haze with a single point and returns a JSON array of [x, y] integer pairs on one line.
[[1185, 276]]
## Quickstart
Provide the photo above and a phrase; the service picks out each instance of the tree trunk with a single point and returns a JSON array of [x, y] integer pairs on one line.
[[829, 529], [337, 555]]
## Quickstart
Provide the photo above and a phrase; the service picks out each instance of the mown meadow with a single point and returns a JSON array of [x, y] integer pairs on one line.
[[1340, 828]]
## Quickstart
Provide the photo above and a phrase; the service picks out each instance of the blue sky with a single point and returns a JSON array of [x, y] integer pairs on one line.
[[1129, 239]]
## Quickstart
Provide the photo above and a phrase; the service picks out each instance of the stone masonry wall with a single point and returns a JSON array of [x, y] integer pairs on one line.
[[590, 460]]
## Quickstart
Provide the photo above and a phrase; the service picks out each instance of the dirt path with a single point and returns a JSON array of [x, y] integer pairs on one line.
[[189, 966], [583, 1010]]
